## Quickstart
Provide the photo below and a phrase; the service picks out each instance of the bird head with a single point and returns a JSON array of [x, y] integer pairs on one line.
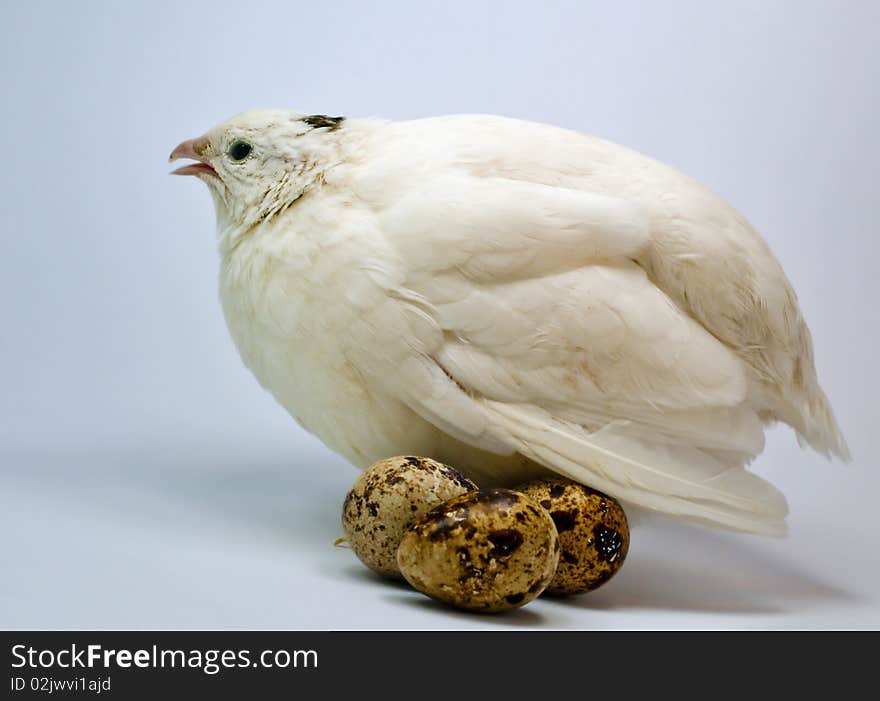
[[259, 163]]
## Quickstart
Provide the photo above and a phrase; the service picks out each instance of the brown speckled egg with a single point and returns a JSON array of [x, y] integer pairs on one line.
[[387, 498], [488, 551], [593, 533]]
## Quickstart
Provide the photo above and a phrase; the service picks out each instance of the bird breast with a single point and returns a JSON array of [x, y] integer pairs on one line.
[[290, 291]]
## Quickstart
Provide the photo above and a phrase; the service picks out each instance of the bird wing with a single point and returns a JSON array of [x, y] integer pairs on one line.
[[526, 326], [703, 254]]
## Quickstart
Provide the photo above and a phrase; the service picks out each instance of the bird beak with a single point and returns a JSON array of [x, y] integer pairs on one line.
[[194, 149]]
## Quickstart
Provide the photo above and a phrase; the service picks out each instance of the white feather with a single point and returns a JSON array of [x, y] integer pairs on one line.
[[510, 297], [676, 479]]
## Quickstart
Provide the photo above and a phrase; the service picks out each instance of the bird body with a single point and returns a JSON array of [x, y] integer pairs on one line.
[[511, 298]]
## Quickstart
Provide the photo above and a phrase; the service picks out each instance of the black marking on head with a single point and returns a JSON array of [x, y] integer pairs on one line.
[[317, 121]]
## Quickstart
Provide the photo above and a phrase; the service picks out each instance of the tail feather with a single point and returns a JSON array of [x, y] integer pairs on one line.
[[811, 416], [680, 481], [820, 430]]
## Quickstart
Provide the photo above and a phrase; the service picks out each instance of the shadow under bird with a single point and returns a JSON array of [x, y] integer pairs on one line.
[[511, 298]]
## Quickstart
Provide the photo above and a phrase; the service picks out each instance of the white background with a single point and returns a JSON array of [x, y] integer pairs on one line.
[[145, 479]]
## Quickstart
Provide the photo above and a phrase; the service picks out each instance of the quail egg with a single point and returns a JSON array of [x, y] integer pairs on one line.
[[593, 533], [389, 496], [485, 551]]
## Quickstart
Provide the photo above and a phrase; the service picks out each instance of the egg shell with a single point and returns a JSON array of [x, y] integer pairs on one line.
[[593, 533], [387, 498], [487, 551]]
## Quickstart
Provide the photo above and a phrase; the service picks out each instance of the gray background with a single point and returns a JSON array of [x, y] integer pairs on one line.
[[145, 479]]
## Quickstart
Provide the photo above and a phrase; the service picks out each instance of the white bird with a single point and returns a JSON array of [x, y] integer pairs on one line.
[[511, 297]]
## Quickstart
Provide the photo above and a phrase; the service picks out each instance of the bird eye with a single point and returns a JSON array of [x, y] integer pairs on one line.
[[239, 150]]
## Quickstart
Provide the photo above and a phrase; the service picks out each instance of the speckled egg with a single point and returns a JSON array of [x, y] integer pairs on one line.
[[487, 551], [387, 498], [593, 533]]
